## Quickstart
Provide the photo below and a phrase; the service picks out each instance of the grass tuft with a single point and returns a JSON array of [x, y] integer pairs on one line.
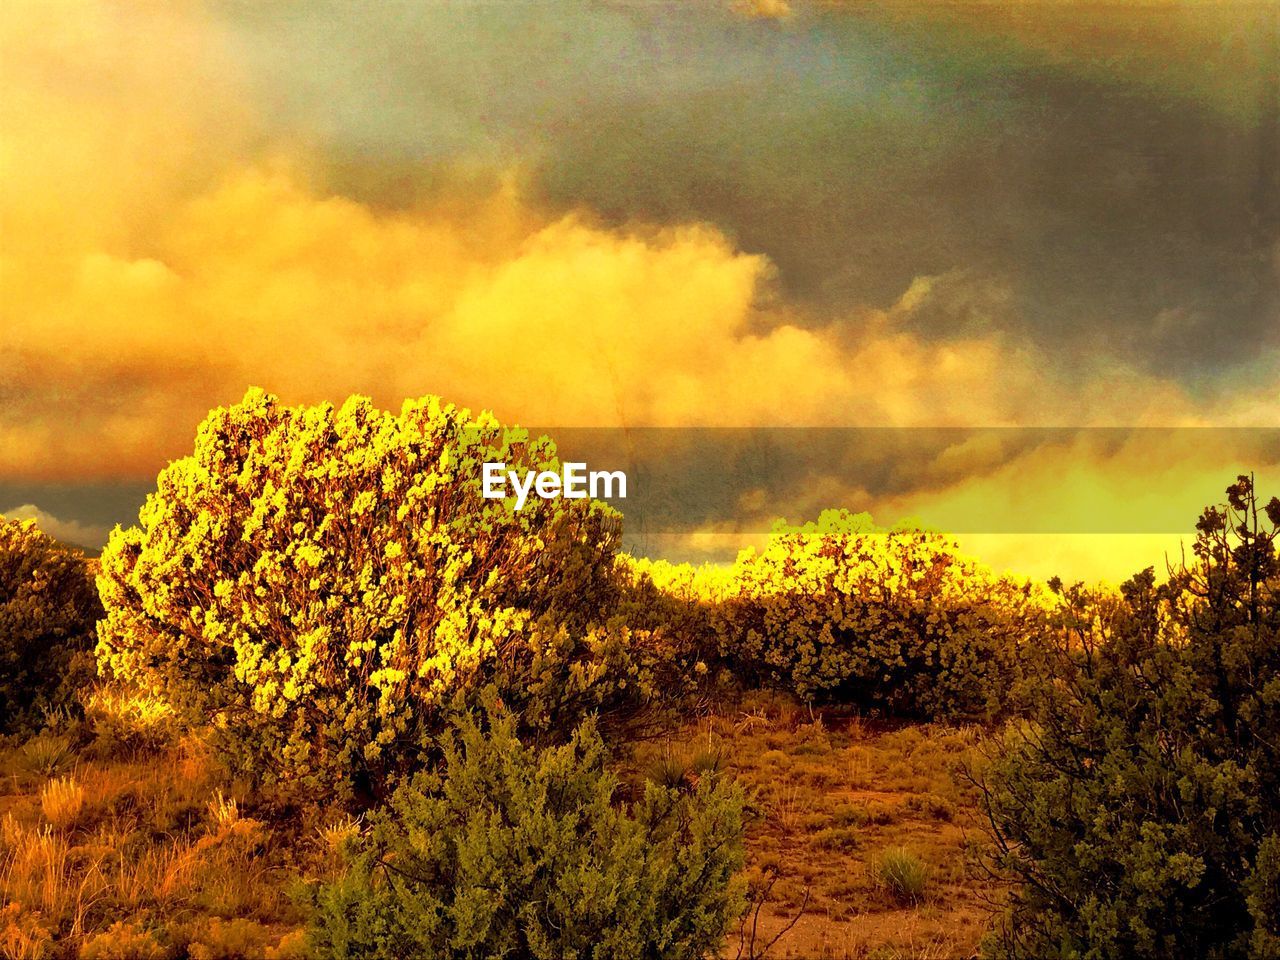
[[62, 802], [668, 771], [903, 874]]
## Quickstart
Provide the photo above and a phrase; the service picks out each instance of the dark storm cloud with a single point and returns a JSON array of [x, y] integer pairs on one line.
[[1111, 172], [1119, 219]]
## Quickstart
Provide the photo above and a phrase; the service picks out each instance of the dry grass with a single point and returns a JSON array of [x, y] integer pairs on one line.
[[139, 844], [837, 800], [151, 855], [62, 802]]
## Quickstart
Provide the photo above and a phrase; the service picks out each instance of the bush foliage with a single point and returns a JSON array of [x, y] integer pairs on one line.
[[515, 852], [320, 581], [842, 610], [48, 608], [1139, 809]]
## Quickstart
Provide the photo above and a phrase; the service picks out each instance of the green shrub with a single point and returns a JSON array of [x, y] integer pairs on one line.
[[837, 838], [932, 806], [320, 582], [903, 874], [899, 620], [1139, 808], [48, 608], [512, 851]]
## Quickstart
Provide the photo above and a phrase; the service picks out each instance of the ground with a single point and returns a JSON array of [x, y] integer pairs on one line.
[[833, 796], [859, 841]]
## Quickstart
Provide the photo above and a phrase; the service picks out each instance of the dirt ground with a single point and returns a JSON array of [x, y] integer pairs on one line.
[[831, 797]]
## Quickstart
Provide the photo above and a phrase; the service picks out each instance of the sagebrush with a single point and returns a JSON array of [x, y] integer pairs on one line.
[[512, 851]]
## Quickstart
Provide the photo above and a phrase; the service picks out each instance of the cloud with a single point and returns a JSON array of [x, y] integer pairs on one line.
[[110, 361], [70, 532], [1221, 52], [192, 206], [763, 9]]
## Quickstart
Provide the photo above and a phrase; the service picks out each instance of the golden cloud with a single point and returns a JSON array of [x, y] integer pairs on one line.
[[160, 256], [763, 9], [110, 360]]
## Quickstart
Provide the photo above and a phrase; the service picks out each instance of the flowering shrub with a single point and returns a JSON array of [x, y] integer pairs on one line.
[[670, 610], [47, 612], [319, 581], [896, 619], [123, 939]]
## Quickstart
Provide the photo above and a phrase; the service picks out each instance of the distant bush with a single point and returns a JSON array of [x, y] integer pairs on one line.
[[899, 620], [515, 852], [1139, 808], [319, 581], [48, 609], [674, 599], [671, 607]]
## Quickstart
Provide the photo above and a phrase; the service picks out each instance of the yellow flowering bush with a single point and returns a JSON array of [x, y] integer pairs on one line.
[[892, 619], [48, 608], [671, 606], [319, 581]]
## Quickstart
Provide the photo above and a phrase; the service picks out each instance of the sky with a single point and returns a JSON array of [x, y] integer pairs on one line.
[[768, 213]]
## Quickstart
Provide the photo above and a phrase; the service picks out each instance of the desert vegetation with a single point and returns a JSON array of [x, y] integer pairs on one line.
[[48, 613], [328, 701]]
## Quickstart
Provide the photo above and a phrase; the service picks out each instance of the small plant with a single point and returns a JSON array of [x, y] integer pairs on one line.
[[218, 939], [836, 838], [292, 946], [681, 771], [850, 815], [706, 762], [932, 806], [22, 935], [62, 802], [123, 939], [224, 812], [127, 722], [787, 807], [669, 772], [46, 754], [335, 838], [903, 874]]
